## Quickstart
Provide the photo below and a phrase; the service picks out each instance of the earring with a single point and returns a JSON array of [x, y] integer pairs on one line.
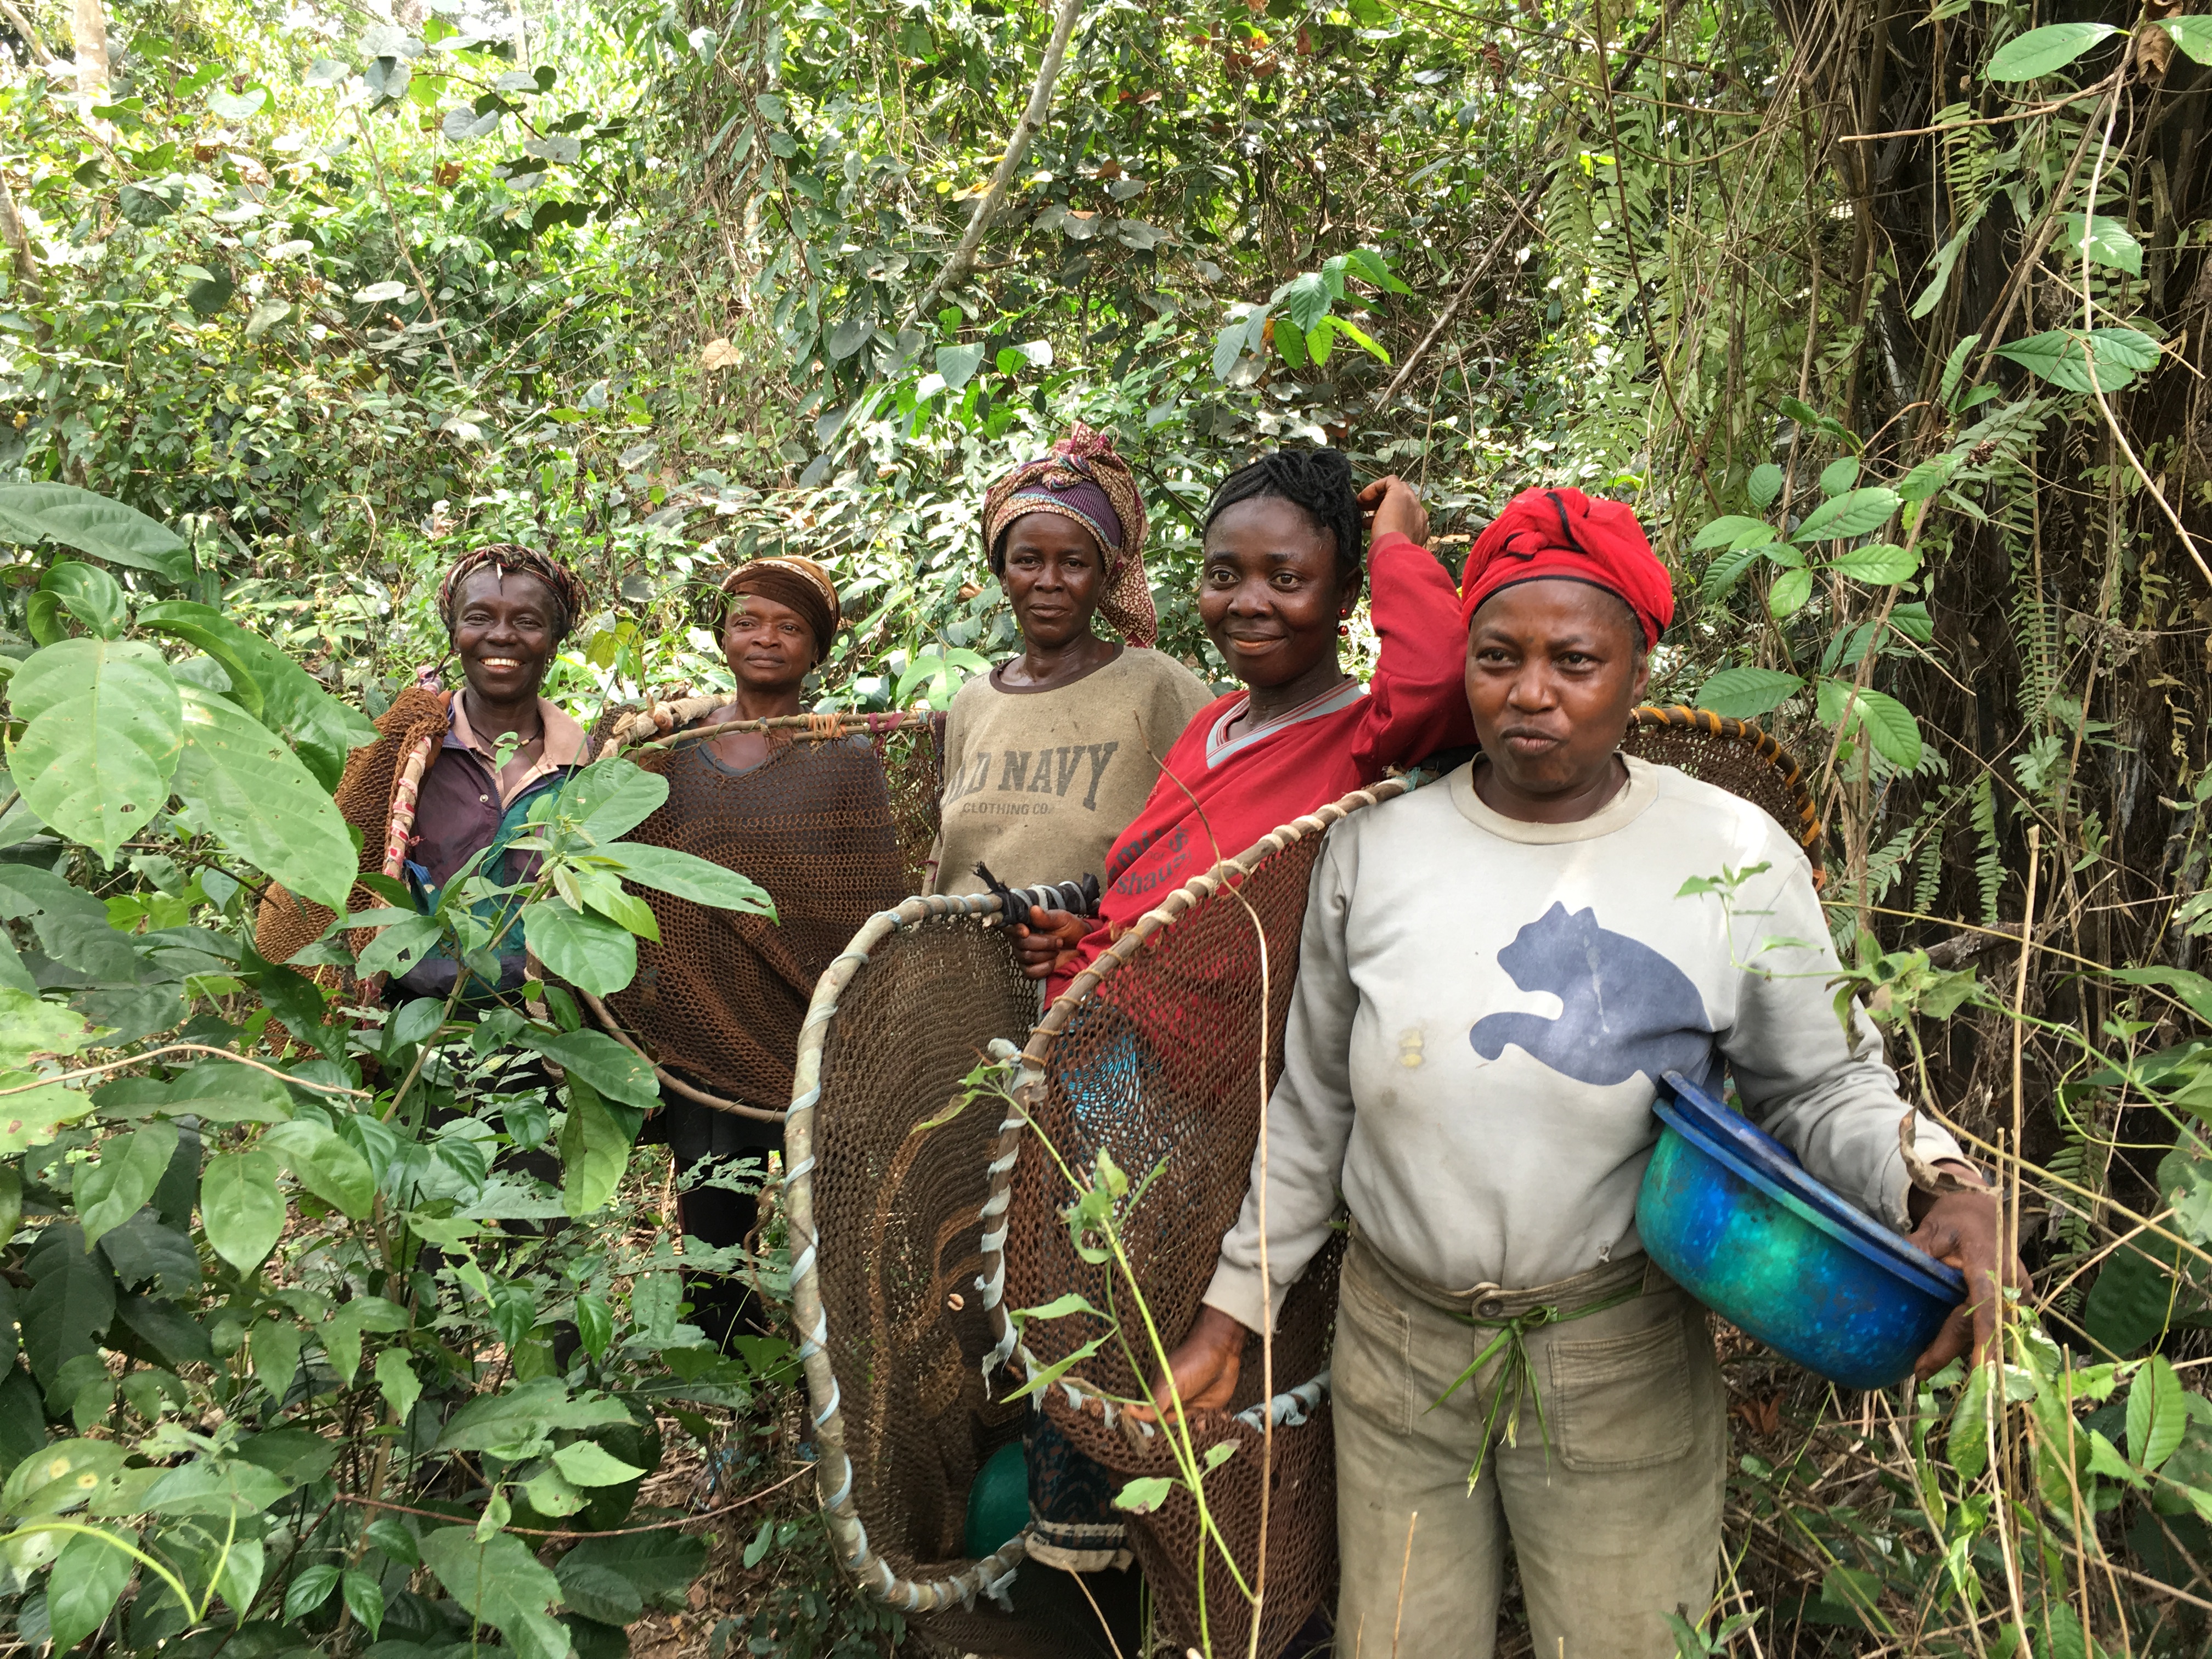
[[1344, 631]]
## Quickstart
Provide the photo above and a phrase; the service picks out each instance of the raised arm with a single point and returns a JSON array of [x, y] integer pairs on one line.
[[1416, 702]]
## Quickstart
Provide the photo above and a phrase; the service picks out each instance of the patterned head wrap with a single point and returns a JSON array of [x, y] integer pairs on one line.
[[570, 600], [1084, 480], [791, 581]]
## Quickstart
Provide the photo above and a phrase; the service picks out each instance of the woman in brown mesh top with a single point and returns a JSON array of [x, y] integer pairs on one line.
[[718, 1001]]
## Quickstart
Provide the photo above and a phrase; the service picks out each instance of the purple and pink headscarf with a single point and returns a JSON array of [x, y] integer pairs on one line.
[[1083, 480]]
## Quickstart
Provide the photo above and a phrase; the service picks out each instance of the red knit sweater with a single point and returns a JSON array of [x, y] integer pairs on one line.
[[1348, 737]]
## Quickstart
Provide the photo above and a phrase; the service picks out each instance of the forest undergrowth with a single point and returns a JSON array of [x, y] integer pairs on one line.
[[1889, 319]]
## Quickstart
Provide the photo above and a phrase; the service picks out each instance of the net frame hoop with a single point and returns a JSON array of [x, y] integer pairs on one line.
[[1030, 1083], [663, 717], [1808, 832], [833, 1465]]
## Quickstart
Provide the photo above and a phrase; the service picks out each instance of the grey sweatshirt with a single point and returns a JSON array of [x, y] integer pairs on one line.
[[1483, 1010]]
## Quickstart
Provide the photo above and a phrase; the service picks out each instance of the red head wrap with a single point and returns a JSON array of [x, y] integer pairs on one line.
[[1563, 532]]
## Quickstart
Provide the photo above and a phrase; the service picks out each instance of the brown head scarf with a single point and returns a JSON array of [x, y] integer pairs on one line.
[[570, 600], [800, 583], [1084, 480]]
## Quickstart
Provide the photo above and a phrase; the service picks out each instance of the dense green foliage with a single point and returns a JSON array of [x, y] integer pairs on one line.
[[1890, 320]]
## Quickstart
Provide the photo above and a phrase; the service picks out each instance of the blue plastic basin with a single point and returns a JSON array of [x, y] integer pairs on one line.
[[1729, 1212]]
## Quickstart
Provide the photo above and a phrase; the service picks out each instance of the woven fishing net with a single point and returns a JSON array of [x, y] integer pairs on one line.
[[1164, 1067], [897, 1228], [720, 999]]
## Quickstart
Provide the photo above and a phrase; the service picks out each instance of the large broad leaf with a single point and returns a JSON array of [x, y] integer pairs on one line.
[[242, 781], [690, 877], [325, 1164], [588, 951], [205, 1487], [88, 1574], [527, 1411], [241, 1207], [1746, 693], [660, 1566], [2041, 51], [2136, 1295], [1851, 514], [93, 524], [1883, 563], [29, 1119], [28, 1026], [269, 686], [110, 1192], [1307, 299], [2157, 1412], [2192, 34], [2105, 241], [1733, 530], [600, 1061], [500, 1582], [106, 735], [1887, 723], [610, 798], [70, 1305], [594, 1152], [959, 364]]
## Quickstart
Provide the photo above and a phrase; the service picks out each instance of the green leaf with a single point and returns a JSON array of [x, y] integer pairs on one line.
[[399, 946], [588, 951], [1746, 693], [594, 1152], [1839, 476], [243, 783], [56, 1478], [310, 1588], [589, 1464], [1954, 367], [110, 1192], [88, 1575], [389, 1534], [395, 1381], [28, 1026], [240, 1208], [500, 1582], [595, 1325], [1789, 591], [2192, 34], [610, 798], [1853, 514], [666, 870], [363, 1594], [598, 1593], [1144, 1494], [660, 1566], [526, 1411], [550, 1493], [1965, 1447], [71, 1303], [2039, 51], [239, 1581], [1883, 563], [106, 733], [1059, 1308], [1765, 485], [93, 524], [2061, 357], [959, 364], [1925, 479], [2133, 1299], [1228, 349], [325, 1164], [600, 1061], [341, 1332], [269, 686], [29, 1119], [2157, 1414], [89, 594], [206, 1488], [2105, 241], [1733, 530], [1890, 728], [1306, 298], [277, 1357]]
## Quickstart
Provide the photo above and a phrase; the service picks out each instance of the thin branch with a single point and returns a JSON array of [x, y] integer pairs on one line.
[[186, 1047], [957, 268]]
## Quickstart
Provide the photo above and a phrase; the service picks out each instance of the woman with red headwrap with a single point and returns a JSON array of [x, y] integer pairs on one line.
[[1495, 974], [1049, 756]]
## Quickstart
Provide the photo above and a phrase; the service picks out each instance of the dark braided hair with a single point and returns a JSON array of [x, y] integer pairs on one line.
[[1318, 480]]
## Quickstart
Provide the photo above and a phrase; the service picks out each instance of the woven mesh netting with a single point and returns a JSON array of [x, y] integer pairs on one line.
[[827, 826], [1162, 1066], [897, 1220], [1731, 754]]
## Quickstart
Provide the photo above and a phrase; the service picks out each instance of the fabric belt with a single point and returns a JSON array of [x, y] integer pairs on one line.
[[1511, 1316]]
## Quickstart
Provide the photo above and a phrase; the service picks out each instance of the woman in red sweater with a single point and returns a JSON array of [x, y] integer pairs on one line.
[[1282, 574]]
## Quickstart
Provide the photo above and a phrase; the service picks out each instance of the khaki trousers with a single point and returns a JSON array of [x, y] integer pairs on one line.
[[1617, 1525]]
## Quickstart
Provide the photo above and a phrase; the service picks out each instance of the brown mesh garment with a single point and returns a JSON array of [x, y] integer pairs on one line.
[[285, 924], [1162, 1067], [718, 1001]]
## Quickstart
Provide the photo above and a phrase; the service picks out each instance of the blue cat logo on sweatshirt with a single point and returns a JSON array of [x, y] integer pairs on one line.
[[1626, 1008]]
